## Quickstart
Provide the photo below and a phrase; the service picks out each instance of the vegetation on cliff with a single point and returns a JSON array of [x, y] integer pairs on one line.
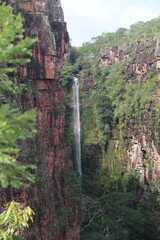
[[144, 31], [119, 100], [117, 95]]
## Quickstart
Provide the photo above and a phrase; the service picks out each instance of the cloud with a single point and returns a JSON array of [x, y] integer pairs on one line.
[[89, 18]]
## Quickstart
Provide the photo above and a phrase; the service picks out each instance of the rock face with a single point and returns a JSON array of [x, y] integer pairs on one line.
[[139, 59], [55, 203], [134, 139]]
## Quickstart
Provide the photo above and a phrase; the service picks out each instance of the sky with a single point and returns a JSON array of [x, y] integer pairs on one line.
[[90, 18]]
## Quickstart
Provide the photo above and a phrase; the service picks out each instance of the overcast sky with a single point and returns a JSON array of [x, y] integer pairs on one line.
[[89, 18]]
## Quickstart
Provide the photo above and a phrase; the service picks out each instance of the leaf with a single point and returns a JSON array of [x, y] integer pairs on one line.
[[18, 218], [3, 235]]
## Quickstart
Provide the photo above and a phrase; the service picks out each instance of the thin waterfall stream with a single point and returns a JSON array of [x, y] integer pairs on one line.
[[77, 127]]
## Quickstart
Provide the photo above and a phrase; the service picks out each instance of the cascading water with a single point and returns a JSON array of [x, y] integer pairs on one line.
[[77, 128]]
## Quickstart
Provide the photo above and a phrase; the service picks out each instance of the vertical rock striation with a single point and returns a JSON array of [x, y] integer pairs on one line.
[[52, 198]]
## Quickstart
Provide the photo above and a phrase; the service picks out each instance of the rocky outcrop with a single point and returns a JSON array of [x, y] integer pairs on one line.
[[134, 139], [138, 58], [146, 160], [55, 202]]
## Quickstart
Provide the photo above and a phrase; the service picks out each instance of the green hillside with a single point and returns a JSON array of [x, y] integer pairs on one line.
[[119, 109]]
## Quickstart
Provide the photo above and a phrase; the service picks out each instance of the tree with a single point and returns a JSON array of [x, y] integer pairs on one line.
[[12, 42], [74, 54], [14, 125], [13, 220]]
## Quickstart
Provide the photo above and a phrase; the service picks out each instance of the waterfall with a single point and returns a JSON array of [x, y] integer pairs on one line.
[[77, 129]]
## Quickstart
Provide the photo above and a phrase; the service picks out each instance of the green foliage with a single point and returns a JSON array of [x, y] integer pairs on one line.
[[110, 102], [121, 215], [17, 238], [115, 84], [97, 112], [66, 79], [91, 162], [114, 102], [92, 236], [84, 62], [74, 54], [14, 126], [88, 128], [68, 133], [144, 31], [61, 214], [67, 75], [130, 181], [103, 112], [74, 180], [129, 100], [9, 91], [110, 171], [12, 42], [14, 219]]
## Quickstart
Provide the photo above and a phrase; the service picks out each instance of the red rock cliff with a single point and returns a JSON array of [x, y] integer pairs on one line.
[[55, 203]]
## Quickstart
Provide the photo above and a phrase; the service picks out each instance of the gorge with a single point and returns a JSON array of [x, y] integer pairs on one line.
[[97, 159]]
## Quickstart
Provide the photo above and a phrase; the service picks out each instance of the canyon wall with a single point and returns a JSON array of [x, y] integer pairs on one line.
[[132, 139], [53, 198], [138, 58], [143, 152]]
